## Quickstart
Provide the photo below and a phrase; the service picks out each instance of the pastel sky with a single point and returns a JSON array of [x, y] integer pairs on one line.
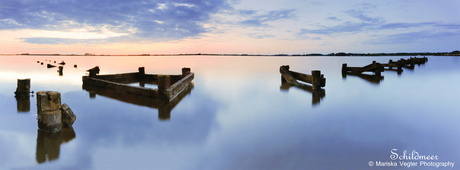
[[228, 26]]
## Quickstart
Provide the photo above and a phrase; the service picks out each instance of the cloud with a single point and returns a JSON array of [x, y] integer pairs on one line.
[[361, 16], [346, 27], [148, 20], [333, 18], [261, 19], [411, 37], [260, 36]]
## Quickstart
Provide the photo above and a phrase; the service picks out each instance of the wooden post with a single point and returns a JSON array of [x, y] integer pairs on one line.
[[141, 71], [60, 70], [316, 82], [164, 82], [284, 70], [185, 71], [23, 88], [378, 72], [344, 70], [49, 111]]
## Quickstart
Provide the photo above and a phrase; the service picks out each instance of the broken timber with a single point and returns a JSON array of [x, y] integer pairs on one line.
[[409, 63], [375, 67], [169, 86], [317, 79]]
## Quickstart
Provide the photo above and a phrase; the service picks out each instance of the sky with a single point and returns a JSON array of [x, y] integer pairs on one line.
[[228, 26]]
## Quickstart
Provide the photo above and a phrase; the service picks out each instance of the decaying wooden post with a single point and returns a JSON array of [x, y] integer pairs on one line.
[[186, 71], [60, 70], [23, 88], [49, 111], [94, 71], [141, 71], [316, 79], [67, 116], [164, 82]]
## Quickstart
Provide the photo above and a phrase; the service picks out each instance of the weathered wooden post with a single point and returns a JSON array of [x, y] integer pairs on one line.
[[378, 71], [94, 71], [60, 70], [185, 71], [316, 79], [141, 71], [164, 82], [49, 111], [344, 70], [22, 95]]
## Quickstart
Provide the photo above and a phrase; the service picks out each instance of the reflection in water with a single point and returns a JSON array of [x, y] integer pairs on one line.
[[164, 108], [23, 103], [374, 79], [49, 143], [317, 95]]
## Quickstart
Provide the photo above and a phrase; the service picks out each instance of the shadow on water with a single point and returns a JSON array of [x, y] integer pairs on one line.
[[317, 95], [164, 108], [49, 143], [373, 79]]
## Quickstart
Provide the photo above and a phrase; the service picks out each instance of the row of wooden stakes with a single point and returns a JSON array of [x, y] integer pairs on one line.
[[317, 80]]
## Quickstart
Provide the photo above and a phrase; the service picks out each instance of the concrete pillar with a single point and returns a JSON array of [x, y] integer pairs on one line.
[[49, 111]]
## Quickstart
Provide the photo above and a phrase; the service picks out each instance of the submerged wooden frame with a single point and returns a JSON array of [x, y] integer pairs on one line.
[[169, 86]]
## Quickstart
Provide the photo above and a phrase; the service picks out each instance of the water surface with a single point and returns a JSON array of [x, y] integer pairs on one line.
[[237, 115]]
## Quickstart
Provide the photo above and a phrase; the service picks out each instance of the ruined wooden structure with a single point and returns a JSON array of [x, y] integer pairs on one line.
[[406, 63], [52, 116], [171, 88], [316, 79], [375, 67]]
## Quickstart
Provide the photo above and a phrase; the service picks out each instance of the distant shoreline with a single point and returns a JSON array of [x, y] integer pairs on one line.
[[453, 53]]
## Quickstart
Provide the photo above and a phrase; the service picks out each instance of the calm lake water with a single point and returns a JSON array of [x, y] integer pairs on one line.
[[237, 116]]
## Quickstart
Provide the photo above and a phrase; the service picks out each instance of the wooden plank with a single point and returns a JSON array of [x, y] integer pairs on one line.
[[141, 91], [175, 89], [302, 77], [284, 70]]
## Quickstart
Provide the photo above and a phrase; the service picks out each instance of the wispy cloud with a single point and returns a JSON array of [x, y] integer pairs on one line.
[[346, 27], [260, 36], [258, 20], [148, 20]]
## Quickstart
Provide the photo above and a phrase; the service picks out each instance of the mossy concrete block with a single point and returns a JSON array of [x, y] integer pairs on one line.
[[48, 101], [67, 116]]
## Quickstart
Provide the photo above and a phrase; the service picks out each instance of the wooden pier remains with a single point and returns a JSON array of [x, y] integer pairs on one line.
[[171, 88], [316, 79], [409, 63], [375, 67]]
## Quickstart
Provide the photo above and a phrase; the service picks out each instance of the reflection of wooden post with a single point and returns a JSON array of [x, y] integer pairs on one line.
[[23, 103], [49, 111], [23, 88], [48, 146], [164, 112], [164, 83]]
